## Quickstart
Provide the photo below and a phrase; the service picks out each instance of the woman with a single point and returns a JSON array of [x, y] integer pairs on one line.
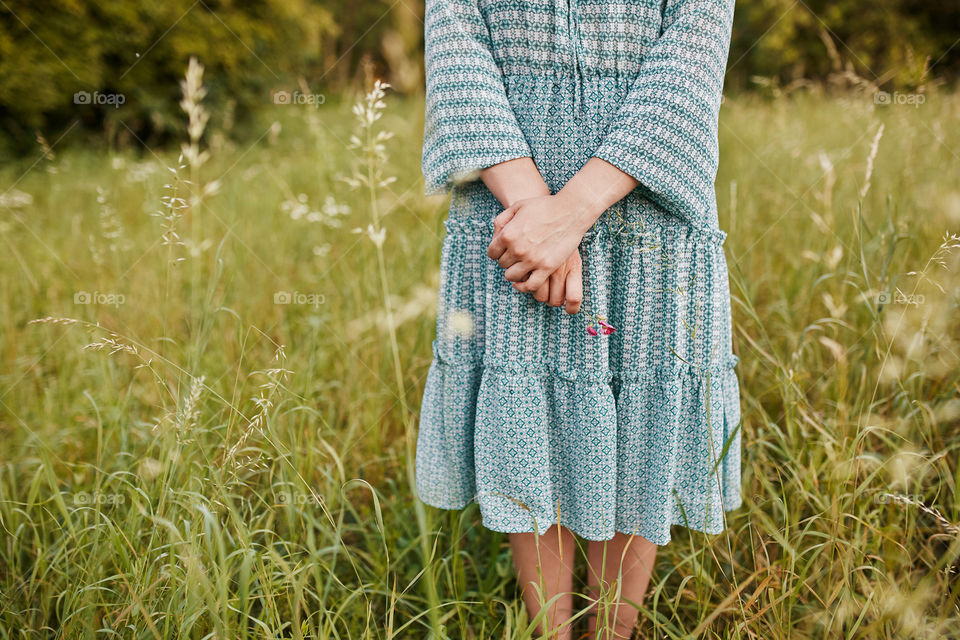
[[579, 140]]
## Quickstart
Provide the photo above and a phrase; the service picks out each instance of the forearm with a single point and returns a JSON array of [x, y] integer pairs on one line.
[[595, 188], [514, 180]]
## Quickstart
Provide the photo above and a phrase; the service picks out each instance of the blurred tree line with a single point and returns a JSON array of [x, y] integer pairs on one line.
[[116, 66]]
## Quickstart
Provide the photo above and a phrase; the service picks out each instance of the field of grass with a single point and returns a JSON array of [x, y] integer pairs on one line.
[[210, 432]]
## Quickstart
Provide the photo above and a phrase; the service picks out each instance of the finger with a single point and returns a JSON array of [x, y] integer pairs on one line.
[[503, 218], [517, 272], [556, 281], [537, 277], [574, 289], [496, 247], [520, 283], [498, 243], [544, 293], [508, 258]]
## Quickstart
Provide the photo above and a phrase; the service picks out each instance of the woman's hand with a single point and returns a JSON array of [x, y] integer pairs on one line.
[[533, 237], [564, 286]]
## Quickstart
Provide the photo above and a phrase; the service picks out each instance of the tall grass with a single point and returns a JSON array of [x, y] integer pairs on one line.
[[213, 358]]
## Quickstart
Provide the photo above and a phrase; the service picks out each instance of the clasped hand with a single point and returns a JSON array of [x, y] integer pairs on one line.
[[537, 245]]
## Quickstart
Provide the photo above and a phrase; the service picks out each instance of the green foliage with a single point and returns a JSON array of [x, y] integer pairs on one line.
[[139, 49], [890, 44], [167, 470], [135, 53]]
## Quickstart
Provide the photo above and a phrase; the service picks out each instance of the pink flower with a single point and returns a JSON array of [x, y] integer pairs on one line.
[[605, 327]]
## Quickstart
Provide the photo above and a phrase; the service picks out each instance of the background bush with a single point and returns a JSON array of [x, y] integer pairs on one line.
[[139, 49]]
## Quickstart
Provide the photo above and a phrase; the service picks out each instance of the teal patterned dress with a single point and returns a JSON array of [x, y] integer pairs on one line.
[[523, 410]]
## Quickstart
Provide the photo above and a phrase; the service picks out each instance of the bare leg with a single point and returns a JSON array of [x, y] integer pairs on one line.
[[550, 555], [619, 617]]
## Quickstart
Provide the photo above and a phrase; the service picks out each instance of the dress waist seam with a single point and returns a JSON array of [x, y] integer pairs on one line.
[[560, 74], [666, 235]]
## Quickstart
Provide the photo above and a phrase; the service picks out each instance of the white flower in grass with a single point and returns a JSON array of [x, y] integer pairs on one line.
[[197, 248], [328, 214], [141, 171], [297, 208], [376, 235], [332, 208]]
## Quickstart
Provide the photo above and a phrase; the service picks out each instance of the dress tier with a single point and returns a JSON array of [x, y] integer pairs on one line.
[[523, 410]]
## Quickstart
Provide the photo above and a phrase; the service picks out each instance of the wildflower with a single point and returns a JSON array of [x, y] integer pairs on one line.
[[296, 207], [605, 327], [376, 235]]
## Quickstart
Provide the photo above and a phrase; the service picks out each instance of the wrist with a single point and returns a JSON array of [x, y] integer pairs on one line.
[[582, 206], [514, 180], [515, 193]]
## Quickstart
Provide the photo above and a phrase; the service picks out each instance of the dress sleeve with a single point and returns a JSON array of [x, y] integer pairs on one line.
[[664, 133], [469, 123]]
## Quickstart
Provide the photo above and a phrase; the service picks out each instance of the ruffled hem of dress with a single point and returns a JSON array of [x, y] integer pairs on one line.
[[598, 452]]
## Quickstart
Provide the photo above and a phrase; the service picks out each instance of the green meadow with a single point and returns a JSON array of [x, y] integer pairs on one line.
[[213, 356]]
